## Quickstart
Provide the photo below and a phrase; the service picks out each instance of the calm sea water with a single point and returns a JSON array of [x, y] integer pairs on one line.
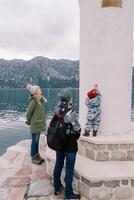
[[13, 105]]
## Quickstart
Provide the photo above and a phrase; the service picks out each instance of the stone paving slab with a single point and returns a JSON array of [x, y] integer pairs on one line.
[[9, 155], [17, 193], [40, 188], [39, 174], [16, 182], [19, 149], [5, 163], [4, 193], [24, 171]]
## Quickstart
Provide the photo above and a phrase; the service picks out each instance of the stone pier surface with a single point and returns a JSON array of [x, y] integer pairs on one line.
[[95, 180], [22, 180]]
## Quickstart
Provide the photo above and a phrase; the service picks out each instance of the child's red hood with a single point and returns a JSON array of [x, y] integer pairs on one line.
[[92, 94]]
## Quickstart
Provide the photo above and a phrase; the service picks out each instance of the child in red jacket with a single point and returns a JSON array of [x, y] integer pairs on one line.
[[94, 111]]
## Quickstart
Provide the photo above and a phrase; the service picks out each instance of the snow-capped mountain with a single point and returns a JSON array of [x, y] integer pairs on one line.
[[45, 72]]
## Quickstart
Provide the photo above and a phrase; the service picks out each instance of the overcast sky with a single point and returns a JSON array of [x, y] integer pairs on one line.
[[30, 28]]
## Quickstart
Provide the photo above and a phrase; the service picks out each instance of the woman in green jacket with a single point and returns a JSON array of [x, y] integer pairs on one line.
[[36, 119]]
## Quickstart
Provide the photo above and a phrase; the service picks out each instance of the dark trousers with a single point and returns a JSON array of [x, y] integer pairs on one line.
[[69, 171], [35, 144]]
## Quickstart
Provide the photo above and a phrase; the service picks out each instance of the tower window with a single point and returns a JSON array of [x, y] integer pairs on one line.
[[112, 3]]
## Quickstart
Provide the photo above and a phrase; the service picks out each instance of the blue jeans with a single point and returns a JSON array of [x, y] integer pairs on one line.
[[69, 171], [35, 144]]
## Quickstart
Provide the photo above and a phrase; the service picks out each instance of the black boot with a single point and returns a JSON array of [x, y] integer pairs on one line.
[[94, 133], [40, 158], [73, 196], [60, 189], [35, 160], [86, 134]]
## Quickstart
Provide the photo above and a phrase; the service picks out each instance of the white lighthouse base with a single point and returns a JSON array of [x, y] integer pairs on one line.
[[104, 168], [107, 148], [97, 180]]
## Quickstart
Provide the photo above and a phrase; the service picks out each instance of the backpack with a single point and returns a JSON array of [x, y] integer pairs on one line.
[[56, 133]]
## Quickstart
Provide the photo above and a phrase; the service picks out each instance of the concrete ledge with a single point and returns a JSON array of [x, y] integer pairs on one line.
[[108, 179], [95, 170], [106, 148], [120, 139]]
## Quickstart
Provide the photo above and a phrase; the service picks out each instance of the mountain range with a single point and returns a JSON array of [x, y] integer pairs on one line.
[[47, 73]]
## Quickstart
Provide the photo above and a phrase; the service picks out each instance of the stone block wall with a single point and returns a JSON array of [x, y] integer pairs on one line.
[[100, 189], [106, 152]]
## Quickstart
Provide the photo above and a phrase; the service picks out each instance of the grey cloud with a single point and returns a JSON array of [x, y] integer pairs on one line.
[[39, 27]]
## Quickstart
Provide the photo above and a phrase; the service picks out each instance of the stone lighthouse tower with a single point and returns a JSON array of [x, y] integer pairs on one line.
[[105, 165], [106, 45]]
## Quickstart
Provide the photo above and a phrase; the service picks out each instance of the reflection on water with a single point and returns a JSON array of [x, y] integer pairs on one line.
[[13, 105]]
